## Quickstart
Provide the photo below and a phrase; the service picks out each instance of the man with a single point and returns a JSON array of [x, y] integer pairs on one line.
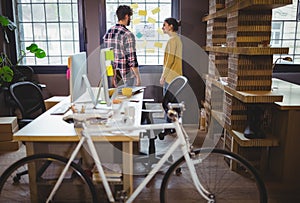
[[123, 43]]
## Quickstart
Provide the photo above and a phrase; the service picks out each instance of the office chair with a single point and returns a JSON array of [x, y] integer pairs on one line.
[[29, 100], [172, 95]]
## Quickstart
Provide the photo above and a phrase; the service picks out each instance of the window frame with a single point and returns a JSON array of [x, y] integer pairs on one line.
[[175, 12], [51, 69], [281, 40]]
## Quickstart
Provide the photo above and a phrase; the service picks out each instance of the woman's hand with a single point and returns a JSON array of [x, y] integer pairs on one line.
[[162, 81]]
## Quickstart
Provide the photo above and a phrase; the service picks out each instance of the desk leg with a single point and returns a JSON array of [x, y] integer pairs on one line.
[[128, 167], [31, 173]]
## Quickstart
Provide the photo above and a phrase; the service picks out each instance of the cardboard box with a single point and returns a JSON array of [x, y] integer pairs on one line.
[[8, 124], [8, 136], [10, 146]]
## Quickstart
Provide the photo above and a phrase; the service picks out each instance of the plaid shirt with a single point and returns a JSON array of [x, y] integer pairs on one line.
[[123, 42]]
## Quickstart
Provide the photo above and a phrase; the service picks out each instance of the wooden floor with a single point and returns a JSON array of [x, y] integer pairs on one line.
[[151, 193]]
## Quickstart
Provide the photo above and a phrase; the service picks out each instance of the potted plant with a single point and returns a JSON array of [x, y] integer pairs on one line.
[[7, 68]]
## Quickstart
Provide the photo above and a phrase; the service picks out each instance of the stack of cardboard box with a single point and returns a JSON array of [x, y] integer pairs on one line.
[[8, 126]]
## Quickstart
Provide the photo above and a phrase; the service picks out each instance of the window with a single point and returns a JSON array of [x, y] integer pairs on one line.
[[51, 24], [147, 20], [285, 29]]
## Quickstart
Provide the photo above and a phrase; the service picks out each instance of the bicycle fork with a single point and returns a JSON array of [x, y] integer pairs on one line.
[[189, 161]]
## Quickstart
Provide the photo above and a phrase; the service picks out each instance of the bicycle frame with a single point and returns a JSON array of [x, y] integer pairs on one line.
[[181, 141]]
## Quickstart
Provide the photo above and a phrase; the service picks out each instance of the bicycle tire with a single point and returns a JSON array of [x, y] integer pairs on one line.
[[46, 169], [223, 183]]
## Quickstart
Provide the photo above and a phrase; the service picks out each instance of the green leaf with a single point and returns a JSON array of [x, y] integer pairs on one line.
[[6, 74], [40, 53], [4, 21], [32, 48]]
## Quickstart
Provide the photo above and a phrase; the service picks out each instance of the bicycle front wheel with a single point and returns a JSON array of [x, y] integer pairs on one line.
[[226, 176], [32, 178]]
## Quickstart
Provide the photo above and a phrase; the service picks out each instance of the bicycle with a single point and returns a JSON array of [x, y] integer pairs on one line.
[[201, 175]]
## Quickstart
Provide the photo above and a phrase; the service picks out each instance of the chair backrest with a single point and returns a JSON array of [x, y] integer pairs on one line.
[[23, 73], [174, 89], [178, 91], [29, 99]]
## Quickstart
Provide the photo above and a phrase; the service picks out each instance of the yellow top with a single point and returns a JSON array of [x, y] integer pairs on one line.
[[172, 58]]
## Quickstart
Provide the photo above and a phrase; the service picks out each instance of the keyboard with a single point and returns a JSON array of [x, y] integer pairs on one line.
[[62, 109]]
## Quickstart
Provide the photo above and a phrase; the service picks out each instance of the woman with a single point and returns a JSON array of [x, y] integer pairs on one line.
[[172, 66]]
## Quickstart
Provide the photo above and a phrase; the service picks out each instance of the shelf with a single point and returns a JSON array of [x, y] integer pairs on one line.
[[250, 96], [248, 50], [241, 139], [248, 5]]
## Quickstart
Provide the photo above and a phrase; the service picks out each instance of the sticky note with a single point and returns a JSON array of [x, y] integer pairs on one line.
[[151, 20], [134, 6], [139, 35], [109, 55], [109, 70], [69, 62], [158, 44], [142, 12], [159, 30], [136, 21], [150, 51], [156, 10]]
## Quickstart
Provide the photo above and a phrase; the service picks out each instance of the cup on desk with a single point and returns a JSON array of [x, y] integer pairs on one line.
[[127, 91]]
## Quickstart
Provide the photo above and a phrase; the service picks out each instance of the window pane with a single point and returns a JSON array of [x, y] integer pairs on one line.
[[38, 13], [54, 49], [297, 48], [289, 44], [65, 12], [40, 31], [66, 31], [26, 30], [289, 30], [24, 13], [55, 60], [67, 48], [53, 31], [52, 12]]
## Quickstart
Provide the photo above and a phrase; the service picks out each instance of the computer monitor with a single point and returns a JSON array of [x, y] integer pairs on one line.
[[79, 83], [106, 56], [78, 68]]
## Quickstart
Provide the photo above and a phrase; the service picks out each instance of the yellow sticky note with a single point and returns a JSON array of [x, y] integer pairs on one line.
[[136, 21], [159, 30], [142, 12], [151, 20], [109, 70], [134, 6], [150, 51], [158, 44], [109, 55], [156, 10]]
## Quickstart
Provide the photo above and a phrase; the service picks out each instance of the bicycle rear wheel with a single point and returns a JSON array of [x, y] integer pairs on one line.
[[32, 178], [216, 175]]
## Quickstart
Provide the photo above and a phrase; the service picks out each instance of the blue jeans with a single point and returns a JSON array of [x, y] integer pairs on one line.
[[165, 88]]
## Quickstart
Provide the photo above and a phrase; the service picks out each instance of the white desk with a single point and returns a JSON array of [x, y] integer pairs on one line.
[[47, 130]]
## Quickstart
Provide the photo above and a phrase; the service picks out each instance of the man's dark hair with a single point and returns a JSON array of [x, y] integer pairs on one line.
[[122, 11]]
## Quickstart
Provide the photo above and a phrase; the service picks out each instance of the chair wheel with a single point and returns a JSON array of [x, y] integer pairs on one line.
[[178, 172]]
